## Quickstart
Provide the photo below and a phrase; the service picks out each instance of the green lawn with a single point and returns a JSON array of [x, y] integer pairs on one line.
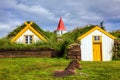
[[43, 68]]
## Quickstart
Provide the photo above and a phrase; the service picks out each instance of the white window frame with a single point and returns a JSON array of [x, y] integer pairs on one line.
[[28, 39]]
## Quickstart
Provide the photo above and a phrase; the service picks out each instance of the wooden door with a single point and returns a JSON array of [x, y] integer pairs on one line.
[[97, 52]]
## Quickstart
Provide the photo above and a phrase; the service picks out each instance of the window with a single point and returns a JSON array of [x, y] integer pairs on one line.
[[97, 38], [28, 39]]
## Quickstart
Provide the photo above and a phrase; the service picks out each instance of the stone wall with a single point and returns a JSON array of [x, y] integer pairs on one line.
[[74, 52], [116, 49], [43, 53]]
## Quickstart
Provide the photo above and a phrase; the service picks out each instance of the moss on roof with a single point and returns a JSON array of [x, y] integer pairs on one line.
[[19, 28], [45, 34], [16, 31], [73, 35]]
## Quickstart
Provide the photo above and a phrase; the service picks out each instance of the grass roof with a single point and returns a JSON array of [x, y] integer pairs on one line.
[[45, 34], [74, 34]]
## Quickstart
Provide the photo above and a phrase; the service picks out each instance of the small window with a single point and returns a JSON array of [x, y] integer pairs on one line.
[[28, 39], [96, 38]]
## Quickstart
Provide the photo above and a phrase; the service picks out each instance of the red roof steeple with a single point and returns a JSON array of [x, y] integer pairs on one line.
[[61, 25]]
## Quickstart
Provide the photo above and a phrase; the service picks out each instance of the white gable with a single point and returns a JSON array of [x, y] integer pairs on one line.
[[87, 46], [21, 39]]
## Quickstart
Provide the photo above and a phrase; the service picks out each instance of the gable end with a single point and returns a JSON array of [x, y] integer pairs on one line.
[[96, 28], [28, 26]]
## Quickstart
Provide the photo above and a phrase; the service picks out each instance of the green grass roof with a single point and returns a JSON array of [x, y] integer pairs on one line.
[[45, 34]]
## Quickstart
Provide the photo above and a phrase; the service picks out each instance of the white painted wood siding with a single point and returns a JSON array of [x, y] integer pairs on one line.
[[107, 46], [60, 32], [87, 47], [21, 39]]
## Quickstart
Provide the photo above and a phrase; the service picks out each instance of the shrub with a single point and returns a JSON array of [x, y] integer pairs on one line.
[[116, 55], [116, 34]]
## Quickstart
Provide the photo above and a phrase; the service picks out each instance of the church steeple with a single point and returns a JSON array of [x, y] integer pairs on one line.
[[61, 25], [61, 28]]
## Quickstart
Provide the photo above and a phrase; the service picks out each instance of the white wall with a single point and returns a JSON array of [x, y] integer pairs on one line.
[[60, 32], [21, 39], [87, 47], [107, 45]]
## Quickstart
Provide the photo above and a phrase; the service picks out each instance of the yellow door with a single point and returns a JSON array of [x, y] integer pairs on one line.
[[97, 55]]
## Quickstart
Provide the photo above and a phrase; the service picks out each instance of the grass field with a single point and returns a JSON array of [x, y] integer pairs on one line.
[[43, 68]]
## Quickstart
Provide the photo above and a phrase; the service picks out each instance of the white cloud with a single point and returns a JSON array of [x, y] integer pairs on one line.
[[46, 14], [4, 26], [34, 9]]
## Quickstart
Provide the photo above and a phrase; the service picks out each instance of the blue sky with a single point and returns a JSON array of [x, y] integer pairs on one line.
[[46, 13]]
